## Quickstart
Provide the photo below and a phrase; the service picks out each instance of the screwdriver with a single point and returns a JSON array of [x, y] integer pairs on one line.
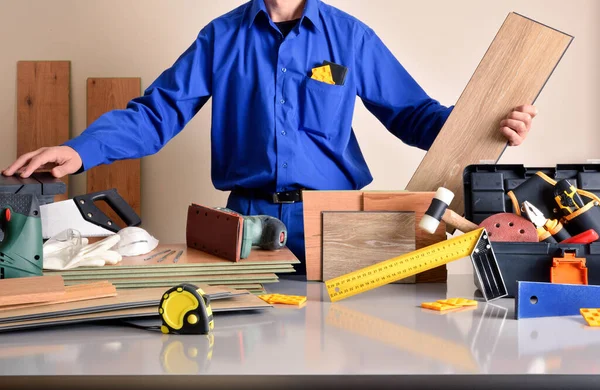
[[549, 230]]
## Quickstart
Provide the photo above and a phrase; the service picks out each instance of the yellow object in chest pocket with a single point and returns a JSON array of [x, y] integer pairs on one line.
[[323, 73]]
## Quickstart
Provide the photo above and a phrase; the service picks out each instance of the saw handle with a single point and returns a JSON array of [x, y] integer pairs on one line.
[[91, 213]]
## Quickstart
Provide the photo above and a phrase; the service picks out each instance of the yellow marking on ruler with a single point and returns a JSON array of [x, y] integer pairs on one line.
[[402, 337], [403, 266]]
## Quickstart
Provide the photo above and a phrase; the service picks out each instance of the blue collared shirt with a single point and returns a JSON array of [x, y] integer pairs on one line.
[[273, 127]]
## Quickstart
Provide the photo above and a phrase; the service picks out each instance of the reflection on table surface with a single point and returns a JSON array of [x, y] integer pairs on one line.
[[383, 331]]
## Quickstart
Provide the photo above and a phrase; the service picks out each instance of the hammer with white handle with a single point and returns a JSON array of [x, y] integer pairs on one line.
[[438, 211]]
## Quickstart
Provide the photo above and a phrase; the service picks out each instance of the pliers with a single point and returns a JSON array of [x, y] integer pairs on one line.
[[549, 230]]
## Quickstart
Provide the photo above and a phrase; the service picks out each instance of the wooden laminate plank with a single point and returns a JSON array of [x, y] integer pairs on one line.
[[417, 202], [236, 303], [33, 289], [513, 71], [188, 273], [191, 260], [103, 95], [183, 279], [81, 292], [124, 299], [358, 239], [314, 203], [43, 110]]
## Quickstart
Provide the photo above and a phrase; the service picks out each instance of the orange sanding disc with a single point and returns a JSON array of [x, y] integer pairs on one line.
[[508, 227]]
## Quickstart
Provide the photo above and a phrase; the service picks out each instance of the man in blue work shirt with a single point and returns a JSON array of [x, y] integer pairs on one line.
[[275, 130]]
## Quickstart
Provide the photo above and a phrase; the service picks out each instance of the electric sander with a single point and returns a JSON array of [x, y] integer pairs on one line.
[[230, 235], [21, 243]]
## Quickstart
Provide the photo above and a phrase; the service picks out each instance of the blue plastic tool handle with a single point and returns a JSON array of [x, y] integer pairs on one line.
[[537, 299]]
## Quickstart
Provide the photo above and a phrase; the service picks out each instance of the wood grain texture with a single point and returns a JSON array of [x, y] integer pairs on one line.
[[43, 110], [33, 289], [355, 240], [236, 303], [185, 272], [81, 292], [174, 280], [314, 203], [513, 72], [124, 299], [103, 95], [417, 202], [190, 260]]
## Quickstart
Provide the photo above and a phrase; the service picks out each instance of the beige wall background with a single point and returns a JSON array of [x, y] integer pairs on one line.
[[440, 42]]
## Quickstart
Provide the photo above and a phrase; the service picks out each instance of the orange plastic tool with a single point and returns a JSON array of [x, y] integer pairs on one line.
[[591, 316], [569, 270]]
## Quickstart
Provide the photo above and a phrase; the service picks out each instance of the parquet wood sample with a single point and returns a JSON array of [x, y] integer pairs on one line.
[[80, 292], [314, 203], [513, 71], [317, 202], [417, 202], [103, 95], [236, 303], [354, 240], [43, 110], [123, 300], [34, 289]]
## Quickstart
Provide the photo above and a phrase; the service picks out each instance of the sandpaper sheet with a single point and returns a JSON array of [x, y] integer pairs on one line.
[[513, 71], [214, 231], [237, 303], [33, 289]]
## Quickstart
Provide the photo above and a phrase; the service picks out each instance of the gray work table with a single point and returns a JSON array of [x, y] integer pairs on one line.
[[383, 331]]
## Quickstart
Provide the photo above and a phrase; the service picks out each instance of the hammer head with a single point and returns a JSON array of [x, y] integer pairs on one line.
[[434, 214]]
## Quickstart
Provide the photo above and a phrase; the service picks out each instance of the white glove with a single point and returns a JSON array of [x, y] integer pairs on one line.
[[69, 250]]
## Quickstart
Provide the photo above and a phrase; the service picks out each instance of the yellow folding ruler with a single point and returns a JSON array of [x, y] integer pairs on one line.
[[474, 244]]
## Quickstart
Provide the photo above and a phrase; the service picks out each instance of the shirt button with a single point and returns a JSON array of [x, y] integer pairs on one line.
[[284, 70], [283, 132], [285, 165], [282, 101]]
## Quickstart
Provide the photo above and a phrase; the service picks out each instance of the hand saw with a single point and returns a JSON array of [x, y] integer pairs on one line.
[[475, 244], [81, 214]]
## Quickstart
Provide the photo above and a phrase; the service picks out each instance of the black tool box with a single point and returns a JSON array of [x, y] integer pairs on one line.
[[485, 194], [42, 184]]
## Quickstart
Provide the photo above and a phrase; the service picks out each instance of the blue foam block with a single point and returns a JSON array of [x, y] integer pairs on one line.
[[536, 299]]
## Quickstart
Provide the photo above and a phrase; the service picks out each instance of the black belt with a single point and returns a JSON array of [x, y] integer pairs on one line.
[[293, 196]]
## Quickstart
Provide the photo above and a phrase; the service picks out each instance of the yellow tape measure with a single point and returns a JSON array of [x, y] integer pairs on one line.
[[403, 266]]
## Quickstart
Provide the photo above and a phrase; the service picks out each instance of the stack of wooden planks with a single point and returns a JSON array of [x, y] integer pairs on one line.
[[156, 269], [396, 210], [45, 301]]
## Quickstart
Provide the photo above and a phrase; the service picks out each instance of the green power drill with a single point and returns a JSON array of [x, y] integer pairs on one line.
[[263, 231], [21, 242]]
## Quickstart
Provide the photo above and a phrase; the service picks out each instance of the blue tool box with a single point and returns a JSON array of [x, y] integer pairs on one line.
[[485, 194]]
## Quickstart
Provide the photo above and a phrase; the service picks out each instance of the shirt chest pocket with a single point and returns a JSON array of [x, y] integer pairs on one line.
[[319, 105]]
